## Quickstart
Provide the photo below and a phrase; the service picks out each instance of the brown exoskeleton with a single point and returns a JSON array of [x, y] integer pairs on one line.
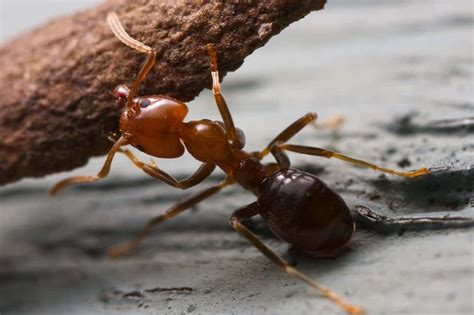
[[297, 206]]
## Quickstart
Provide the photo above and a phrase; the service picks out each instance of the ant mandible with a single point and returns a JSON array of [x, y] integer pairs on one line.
[[297, 206]]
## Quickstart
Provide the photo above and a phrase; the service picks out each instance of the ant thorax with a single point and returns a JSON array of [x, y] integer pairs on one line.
[[207, 141]]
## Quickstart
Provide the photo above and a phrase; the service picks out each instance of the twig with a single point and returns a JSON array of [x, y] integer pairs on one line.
[[56, 104], [368, 219]]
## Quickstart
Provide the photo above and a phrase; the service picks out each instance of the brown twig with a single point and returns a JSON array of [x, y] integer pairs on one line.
[[56, 107]]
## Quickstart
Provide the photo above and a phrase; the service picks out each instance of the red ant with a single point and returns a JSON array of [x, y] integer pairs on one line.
[[297, 206]]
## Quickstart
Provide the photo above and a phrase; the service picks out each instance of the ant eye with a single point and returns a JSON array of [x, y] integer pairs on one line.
[[144, 102]]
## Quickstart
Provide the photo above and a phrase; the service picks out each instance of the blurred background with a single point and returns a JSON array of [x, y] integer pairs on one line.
[[393, 69]]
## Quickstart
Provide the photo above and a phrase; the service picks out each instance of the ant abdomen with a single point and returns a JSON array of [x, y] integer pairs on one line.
[[302, 210]]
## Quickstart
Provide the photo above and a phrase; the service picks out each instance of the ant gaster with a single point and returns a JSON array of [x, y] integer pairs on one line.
[[297, 206]]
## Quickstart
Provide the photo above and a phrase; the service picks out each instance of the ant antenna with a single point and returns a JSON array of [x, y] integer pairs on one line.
[[118, 30]]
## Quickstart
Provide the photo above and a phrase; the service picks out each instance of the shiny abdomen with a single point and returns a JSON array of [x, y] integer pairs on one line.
[[301, 209]]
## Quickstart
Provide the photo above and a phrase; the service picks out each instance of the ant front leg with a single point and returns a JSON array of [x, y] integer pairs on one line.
[[89, 179], [234, 136], [331, 154], [201, 174], [122, 249], [251, 210]]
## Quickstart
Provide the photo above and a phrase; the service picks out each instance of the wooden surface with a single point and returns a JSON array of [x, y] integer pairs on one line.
[[391, 68]]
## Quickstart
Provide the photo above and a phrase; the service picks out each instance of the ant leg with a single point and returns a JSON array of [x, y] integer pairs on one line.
[[118, 30], [250, 210], [201, 174], [220, 101], [283, 161], [89, 179], [330, 154], [288, 133], [121, 249], [271, 168]]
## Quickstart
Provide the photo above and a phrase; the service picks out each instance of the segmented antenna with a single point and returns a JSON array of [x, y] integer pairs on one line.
[[118, 30]]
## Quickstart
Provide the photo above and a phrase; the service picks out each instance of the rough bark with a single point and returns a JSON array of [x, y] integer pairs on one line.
[[56, 105]]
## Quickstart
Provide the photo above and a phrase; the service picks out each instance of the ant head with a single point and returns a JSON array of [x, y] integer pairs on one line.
[[121, 92], [156, 128]]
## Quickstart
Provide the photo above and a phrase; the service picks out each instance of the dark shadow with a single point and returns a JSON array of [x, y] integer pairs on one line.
[[438, 191], [405, 126], [31, 292]]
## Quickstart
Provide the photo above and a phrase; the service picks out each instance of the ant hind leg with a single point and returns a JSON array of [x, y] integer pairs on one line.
[[331, 154], [250, 210], [278, 145]]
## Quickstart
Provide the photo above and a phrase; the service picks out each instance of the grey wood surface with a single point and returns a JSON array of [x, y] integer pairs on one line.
[[394, 69]]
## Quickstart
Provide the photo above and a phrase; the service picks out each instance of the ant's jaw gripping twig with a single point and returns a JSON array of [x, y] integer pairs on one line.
[[121, 92]]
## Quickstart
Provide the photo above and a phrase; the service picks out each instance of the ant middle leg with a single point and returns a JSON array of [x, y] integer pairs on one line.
[[331, 154], [187, 203], [89, 179], [220, 101], [251, 210], [151, 169]]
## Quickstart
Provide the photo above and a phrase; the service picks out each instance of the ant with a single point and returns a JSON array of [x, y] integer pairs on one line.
[[297, 206]]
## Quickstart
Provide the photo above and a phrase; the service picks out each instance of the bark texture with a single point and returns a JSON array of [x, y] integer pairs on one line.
[[56, 104]]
